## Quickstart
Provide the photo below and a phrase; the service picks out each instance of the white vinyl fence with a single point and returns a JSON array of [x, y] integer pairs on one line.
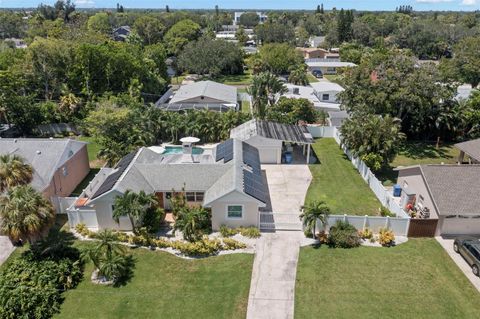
[[82, 216], [399, 226], [401, 222], [61, 204]]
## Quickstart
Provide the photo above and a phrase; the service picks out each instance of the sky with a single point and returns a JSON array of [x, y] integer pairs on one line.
[[371, 5]]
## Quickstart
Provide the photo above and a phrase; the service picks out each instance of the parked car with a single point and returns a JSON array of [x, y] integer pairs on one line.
[[469, 248], [318, 74]]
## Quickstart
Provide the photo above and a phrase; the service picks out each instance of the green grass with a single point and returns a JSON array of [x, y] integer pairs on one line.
[[338, 183], [165, 286], [93, 148], [417, 153], [413, 280], [311, 78], [80, 187], [237, 79], [334, 78]]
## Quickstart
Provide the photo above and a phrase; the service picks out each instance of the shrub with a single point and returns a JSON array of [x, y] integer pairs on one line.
[[250, 232], [343, 235], [203, 247], [153, 219], [83, 230], [162, 243], [366, 234], [226, 231], [386, 237], [232, 244], [385, 212], [322, 237]]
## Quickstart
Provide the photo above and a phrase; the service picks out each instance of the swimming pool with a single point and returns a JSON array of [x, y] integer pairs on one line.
[[179, 150]]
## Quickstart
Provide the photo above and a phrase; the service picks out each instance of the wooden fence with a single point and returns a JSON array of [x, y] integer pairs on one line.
[[422, 227]]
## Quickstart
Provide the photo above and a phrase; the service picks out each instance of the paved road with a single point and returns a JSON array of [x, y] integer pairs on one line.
[[447, 244], [272, 289], [6, 248]]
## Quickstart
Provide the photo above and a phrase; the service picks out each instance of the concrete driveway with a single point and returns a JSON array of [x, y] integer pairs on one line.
[[287, 186], [447, 244], [6, 248]]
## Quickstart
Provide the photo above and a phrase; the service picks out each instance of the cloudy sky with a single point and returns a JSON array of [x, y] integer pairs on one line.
[[464, 5]]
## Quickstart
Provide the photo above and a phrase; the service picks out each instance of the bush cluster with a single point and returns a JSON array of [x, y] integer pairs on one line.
[[365, 234], [343, 235], [386, 237], [31, 287], [250, 232]]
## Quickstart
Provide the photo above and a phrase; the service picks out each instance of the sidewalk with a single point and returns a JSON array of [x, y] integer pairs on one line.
[[272, 287]]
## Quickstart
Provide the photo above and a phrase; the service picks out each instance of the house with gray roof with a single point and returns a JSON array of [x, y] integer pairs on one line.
[[471, 149], [447, 193], [201, 95], [225, 178], [59, 165], [273, 140]]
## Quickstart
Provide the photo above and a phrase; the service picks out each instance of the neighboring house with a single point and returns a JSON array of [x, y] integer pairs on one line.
[[470, 148], [261, 16], [318, 53], [447, 192], [226, 178], [309, 93], [121, 33], [326, 66], [336, 118], [316, 42], [327, 92], [59, 165], [201, 95], [271, 139], [18, 43]]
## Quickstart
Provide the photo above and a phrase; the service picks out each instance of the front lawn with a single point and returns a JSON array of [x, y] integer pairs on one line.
[[165, 286], [414, 280], [417, 153], [338, 183], [311, 78]]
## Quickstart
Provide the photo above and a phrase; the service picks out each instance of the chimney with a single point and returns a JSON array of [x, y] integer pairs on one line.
[[188, 144]]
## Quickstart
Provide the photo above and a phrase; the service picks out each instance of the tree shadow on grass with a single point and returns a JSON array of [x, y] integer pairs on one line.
[[128, 275], [421, 150]]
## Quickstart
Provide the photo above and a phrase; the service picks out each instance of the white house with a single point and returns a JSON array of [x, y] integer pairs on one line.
[[327, 66], [226, 178], [327, 92], [309, 93]]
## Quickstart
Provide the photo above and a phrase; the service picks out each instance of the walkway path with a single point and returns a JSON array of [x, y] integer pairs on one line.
[[272, 288], [6, 248]]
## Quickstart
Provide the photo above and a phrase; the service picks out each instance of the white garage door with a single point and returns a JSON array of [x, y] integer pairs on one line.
[[461, 226], [268, 155]]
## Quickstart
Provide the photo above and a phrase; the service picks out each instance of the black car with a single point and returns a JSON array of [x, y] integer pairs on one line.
[[469, 248], [317, 73]]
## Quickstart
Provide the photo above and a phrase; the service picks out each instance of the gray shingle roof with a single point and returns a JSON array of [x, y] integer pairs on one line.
[[44, 155], [471, 148], [336, 118], [272, 130], [221, 92], [454, 188]]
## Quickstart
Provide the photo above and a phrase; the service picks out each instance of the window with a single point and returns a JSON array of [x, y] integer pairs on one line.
[[325, 97], [199, 196], [235, 211], [190, 196]]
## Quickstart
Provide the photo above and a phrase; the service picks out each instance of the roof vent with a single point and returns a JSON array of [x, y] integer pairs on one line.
[[296, 91], [15, 140], [39, 152]]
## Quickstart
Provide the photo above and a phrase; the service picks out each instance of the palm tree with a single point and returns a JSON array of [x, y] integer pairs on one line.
[[316, 210], [134, 206], [264, 91], [24, 213], [298, 75], [192, 222], [14, 171]]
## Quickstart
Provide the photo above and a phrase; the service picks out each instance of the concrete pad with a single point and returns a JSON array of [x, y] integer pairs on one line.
[[6, 248], [447, 244]]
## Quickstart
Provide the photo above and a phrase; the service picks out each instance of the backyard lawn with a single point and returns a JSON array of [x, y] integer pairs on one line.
[[93, 148], [237, 79], [414, 280], [80, 187], [415, 153], [165, 286], [338, 183]]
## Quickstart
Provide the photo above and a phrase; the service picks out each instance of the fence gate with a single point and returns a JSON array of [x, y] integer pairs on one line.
[[270, 221], [422, 227]]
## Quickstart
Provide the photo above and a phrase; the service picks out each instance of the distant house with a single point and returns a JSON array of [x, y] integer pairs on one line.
[[471, 149], [271, 139], [318, 53], [327, 91], [121, 33], [448, 193], [201, 95], [261, 16], [225, 178], [336, 118], [310, 93], [59, 165], [326, 66]]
